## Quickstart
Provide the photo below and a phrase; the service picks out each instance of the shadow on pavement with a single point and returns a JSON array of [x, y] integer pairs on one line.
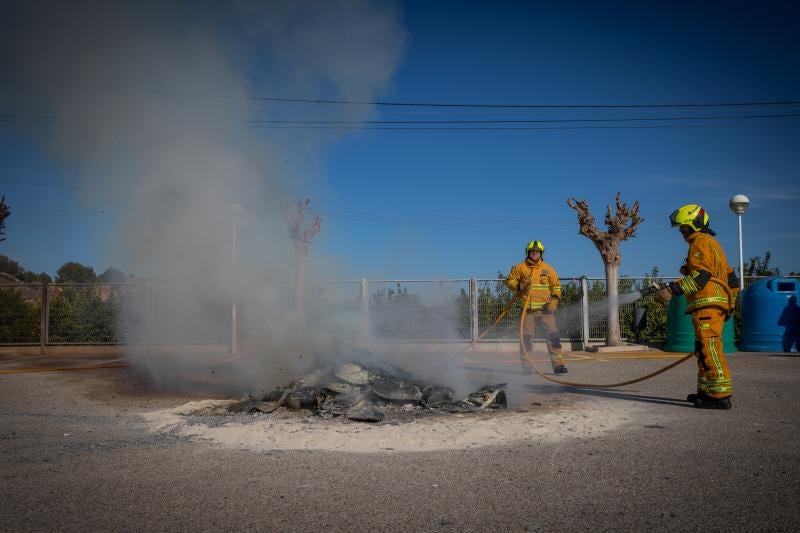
[[620, 395]]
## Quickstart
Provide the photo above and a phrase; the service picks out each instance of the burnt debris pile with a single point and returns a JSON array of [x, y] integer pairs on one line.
[[368, 393]]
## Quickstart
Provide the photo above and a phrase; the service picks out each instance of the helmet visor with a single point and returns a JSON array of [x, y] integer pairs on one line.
[[673, 218]]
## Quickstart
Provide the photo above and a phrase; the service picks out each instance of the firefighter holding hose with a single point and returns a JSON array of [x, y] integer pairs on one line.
[[536, 282], [710, 287]]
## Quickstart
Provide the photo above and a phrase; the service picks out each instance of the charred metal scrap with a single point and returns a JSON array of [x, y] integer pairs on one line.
[[364, 393]]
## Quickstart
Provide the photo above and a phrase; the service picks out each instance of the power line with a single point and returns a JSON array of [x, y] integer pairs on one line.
[[333, 101], [527, 106], [369, 124], [494, 128], [560, 226], [517, 121]]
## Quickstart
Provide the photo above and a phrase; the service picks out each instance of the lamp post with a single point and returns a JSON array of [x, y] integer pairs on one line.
[[236, 209], [739, 204]]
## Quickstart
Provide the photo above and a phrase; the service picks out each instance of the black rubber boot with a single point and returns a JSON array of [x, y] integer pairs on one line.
[[560, 369], [701, 401]]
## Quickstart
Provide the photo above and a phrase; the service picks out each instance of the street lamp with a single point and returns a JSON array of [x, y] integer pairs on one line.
[[237, 210], [739, 205]]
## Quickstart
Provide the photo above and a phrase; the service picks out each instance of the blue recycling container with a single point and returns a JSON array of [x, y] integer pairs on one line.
[[770, 315], [680, 331]]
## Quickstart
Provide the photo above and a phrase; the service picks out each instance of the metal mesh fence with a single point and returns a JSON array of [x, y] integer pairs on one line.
[[435, 310], [180, 314], [334, 297], [419, 310], [20, 314], [494, 296], [91, 313], [598, 309], [569, 319]]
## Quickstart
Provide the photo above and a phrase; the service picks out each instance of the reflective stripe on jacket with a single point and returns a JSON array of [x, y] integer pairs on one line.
[[544, 283], [707, 272]]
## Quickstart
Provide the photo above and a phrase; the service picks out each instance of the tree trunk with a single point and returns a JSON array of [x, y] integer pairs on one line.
[[300, 288], [621, 226], [613, 337]]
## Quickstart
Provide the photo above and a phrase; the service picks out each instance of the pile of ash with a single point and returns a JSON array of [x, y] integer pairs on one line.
[[366, 393]]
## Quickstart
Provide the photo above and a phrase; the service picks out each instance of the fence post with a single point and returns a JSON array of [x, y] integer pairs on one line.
[[43, 332], [364, 308], [585, 312], [473, 310]]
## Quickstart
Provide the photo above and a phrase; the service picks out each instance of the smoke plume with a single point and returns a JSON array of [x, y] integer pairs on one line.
[[151, 105]]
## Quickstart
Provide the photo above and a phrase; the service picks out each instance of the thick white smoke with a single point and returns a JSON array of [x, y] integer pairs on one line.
[[150, 105]]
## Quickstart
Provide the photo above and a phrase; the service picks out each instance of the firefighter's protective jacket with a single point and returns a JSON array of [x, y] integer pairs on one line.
[[709, 281], [542, 280]]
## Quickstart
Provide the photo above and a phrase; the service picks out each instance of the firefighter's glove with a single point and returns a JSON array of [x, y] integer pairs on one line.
[[652, 289], [524, 285], [684, 270], [551, 306], [663, 295]]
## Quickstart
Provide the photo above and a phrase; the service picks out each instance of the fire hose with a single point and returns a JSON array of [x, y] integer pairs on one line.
[[63, 369], [591, 385]]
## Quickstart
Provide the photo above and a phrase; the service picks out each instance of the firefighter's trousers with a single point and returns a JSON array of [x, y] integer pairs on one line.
[[713, 374], [545, 324]]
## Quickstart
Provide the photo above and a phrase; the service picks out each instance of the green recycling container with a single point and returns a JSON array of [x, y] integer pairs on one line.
[[680, 332]]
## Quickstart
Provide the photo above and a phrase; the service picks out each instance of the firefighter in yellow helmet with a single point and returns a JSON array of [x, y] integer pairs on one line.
[[535, 277], [710, 287]]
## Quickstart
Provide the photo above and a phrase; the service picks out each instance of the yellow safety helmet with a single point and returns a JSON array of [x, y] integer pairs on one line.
[[534, 245], [691, 215]]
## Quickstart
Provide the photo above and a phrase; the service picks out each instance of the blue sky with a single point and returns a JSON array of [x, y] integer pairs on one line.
[[445, 203]]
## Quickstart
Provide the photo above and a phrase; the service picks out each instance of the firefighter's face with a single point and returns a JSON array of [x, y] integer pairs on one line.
[[535, 255]]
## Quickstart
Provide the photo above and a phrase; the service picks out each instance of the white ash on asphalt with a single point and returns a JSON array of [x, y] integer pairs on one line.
[[369, 407], [289, 430]]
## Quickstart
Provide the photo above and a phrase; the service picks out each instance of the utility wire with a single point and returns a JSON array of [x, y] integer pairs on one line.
[[10, 118], [515, 121], [528, 106], [559, 226], [333, 101], [495, 128]]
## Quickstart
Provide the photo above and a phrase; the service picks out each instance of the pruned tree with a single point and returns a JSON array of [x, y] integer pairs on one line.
[[295, 214], [74, 272], [112, 275], [756, 266], [621, 226], [5, 212]]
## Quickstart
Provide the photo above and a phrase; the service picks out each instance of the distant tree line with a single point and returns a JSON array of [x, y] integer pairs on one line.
[[69, 272], [89, 313], [77, 314], [5, 212]]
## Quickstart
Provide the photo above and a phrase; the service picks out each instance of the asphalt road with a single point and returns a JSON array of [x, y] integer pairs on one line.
[[74, 455]]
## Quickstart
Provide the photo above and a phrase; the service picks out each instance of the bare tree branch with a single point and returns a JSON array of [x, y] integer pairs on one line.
[[621, 224], [585, 220], [294, 215]]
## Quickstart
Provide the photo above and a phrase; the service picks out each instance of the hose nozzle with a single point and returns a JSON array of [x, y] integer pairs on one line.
[[652, 289]]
